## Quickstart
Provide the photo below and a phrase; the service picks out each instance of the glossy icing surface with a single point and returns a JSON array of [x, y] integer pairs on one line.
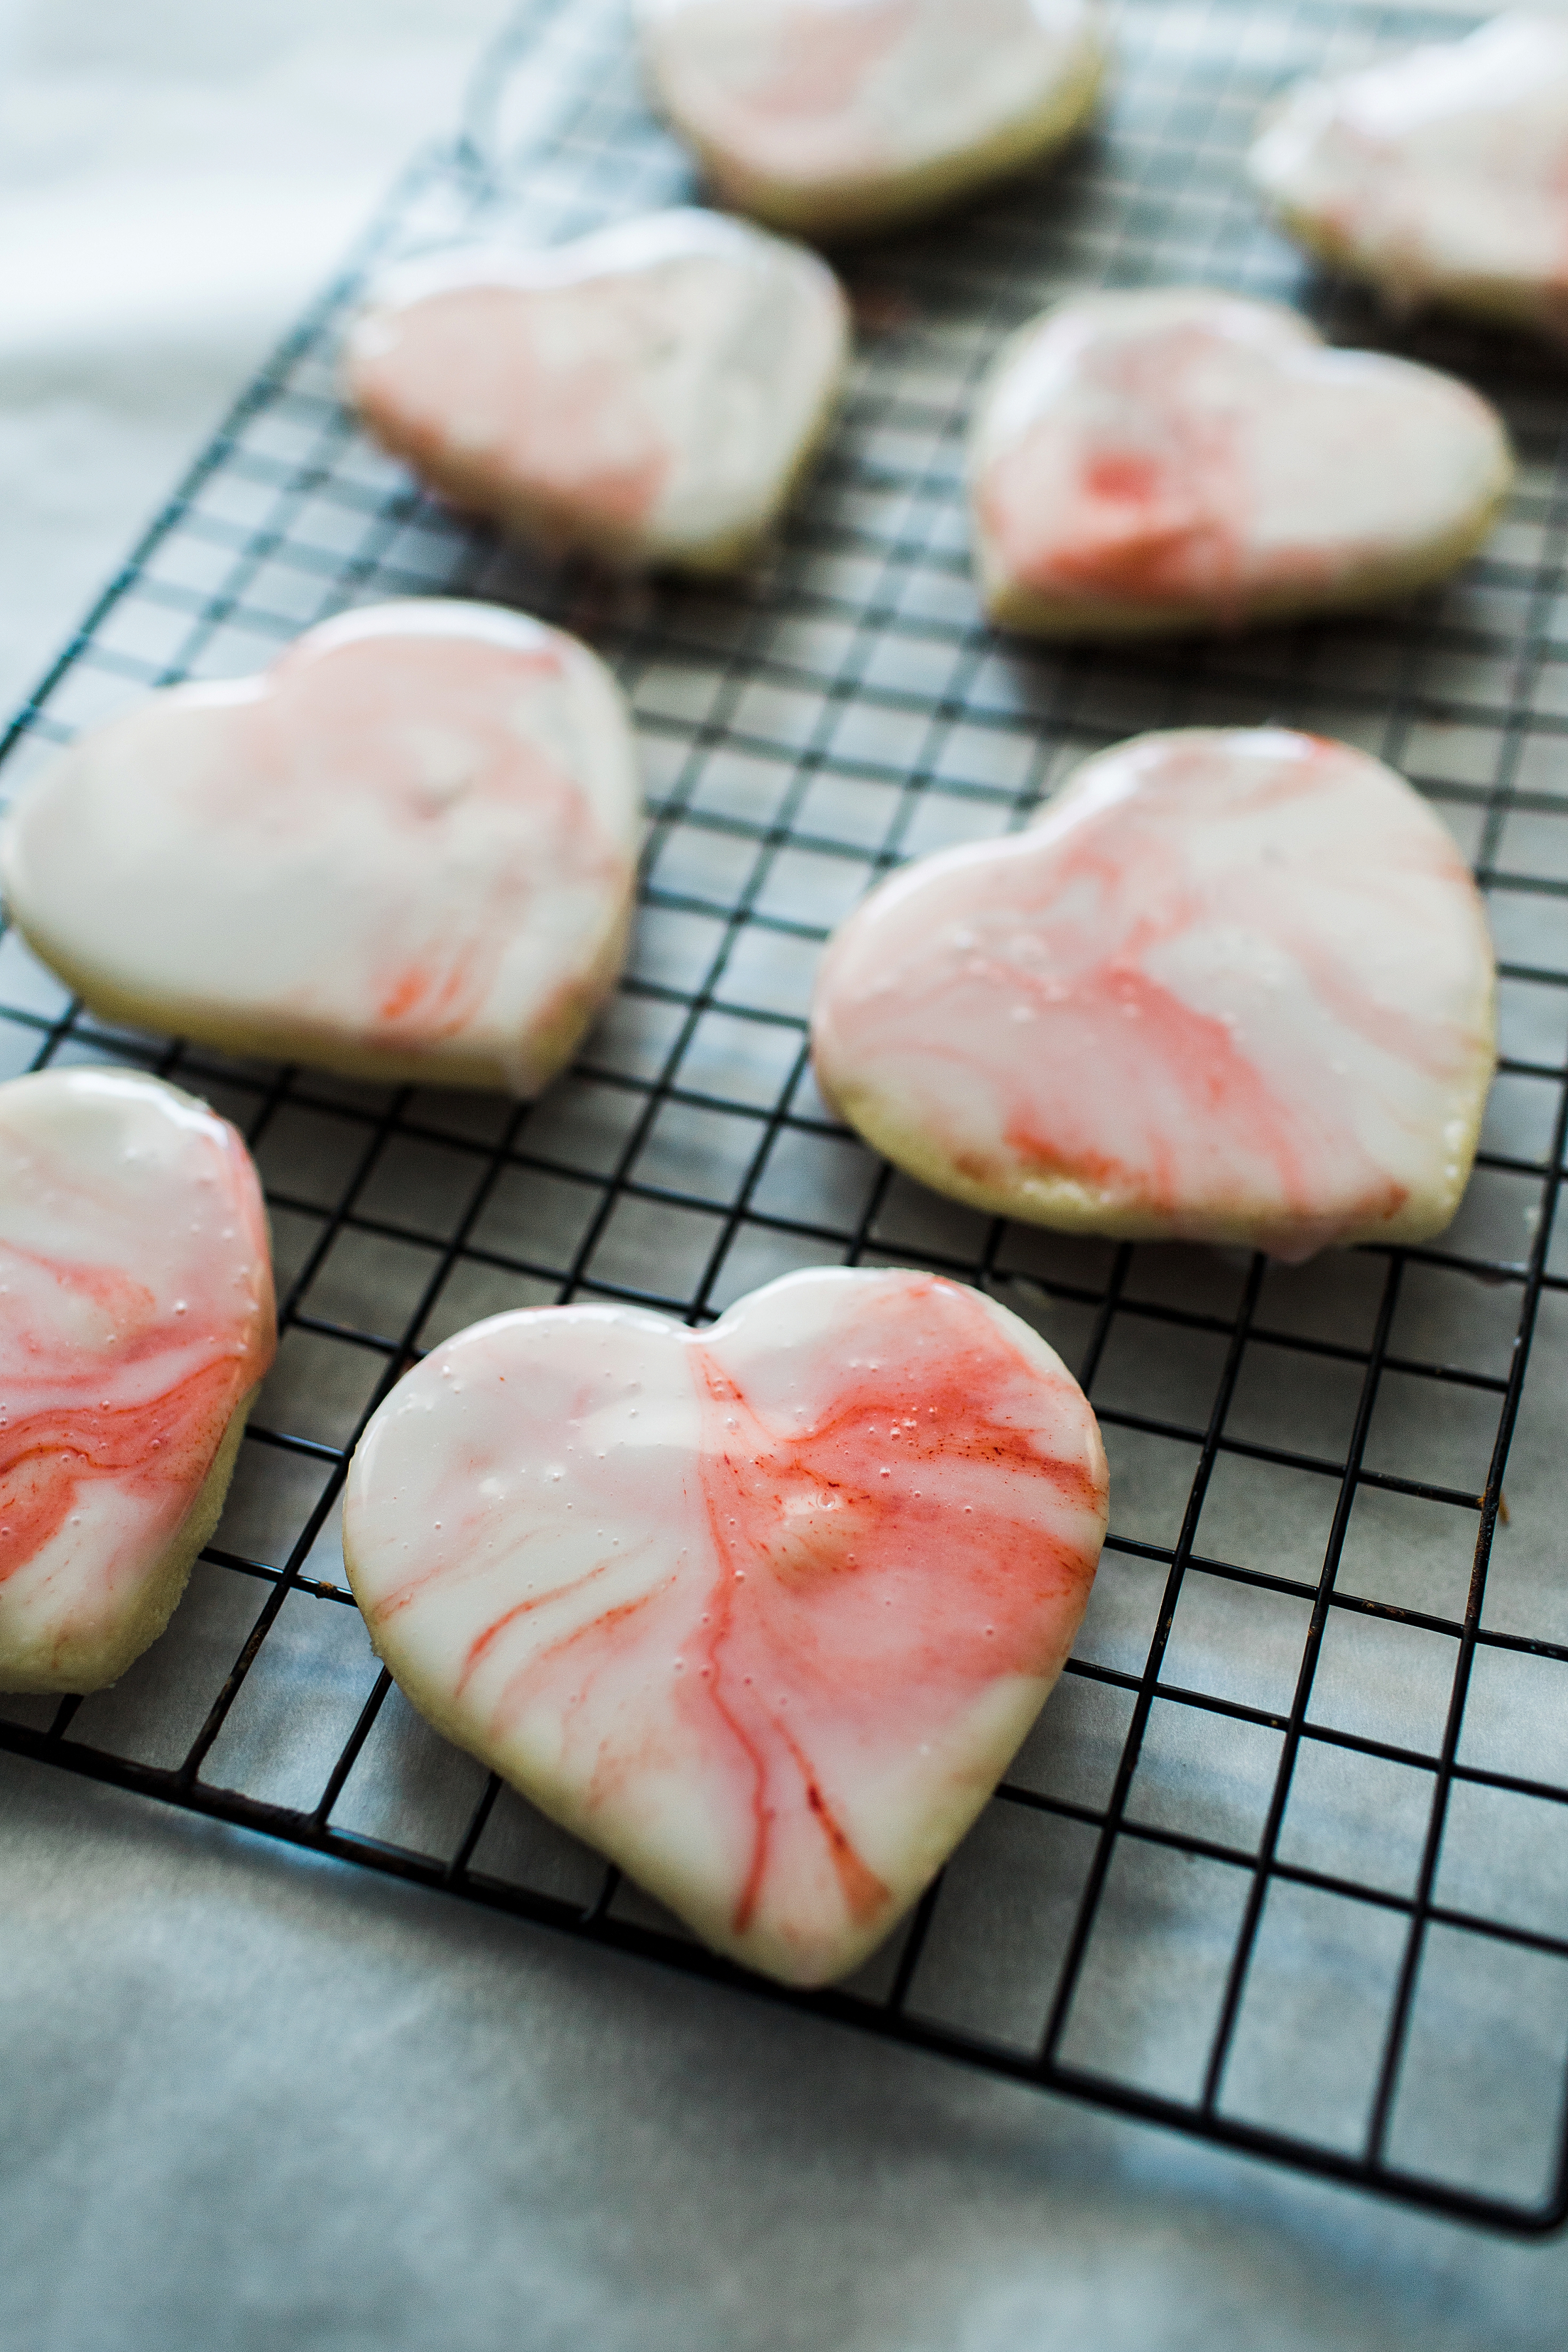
[[761, 1611], [650, 393], [796, 99], [136, 1281], [1441, 173], [1232, 985], [1189, 458], [406, 847]]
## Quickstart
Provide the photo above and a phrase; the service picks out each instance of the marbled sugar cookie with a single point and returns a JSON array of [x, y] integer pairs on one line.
[[651, 396], [761, 1611], [832, 118], [1441, 175], [1152, 463], [138, 1322], [1232, 985], [405, 850]]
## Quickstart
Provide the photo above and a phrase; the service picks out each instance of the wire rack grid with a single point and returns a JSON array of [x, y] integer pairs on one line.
[[1286, 1863]]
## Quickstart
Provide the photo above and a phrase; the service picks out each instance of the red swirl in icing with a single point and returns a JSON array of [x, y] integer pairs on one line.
[[134, 1267], [404, 737], [1163, 512], [1231, 984], [409, 844], [825, 91], [542, 384], [1189, 454], [156, 1447], [854, 1583], [845, 1542], [819, 63]]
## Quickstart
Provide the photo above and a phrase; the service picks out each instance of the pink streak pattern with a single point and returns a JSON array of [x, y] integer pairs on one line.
[[136, 1272], [801, 110], [409, 844], [648, 394], [762, 1611], [797, 104], [1170, 457], [1231, 986], [1151, 501]]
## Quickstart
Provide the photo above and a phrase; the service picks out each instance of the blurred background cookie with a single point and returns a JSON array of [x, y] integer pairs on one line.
[[1440, 175], [137, 1283], [406, 850], [1146, 464], [649, 395], [835, 118]]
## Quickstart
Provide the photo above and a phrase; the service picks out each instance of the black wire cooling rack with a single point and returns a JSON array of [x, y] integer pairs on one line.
[[1286, 1863]]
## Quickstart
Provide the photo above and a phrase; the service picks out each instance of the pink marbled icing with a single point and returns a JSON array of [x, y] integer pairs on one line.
[[800, 108], [1232, 985], [412, 836], [1442, 172], [1189, 452], [762, 1611], [136, 1280], [823, 93], [540, 388], [647, 393]]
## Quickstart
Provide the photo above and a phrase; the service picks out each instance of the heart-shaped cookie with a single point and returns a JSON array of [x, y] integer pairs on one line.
[[1147, 464], [831, 118], [1233, 985], [1440, 175], [138, 1293], [405, 850], [762, 1611], [651, 395]]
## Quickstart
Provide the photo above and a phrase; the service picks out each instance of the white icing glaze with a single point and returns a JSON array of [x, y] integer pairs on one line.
[[137, 1292], [830, 115], [1166, 460], [761, 1611], [405, 849], [1439, 175], [1233, 985], [650, 393]]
